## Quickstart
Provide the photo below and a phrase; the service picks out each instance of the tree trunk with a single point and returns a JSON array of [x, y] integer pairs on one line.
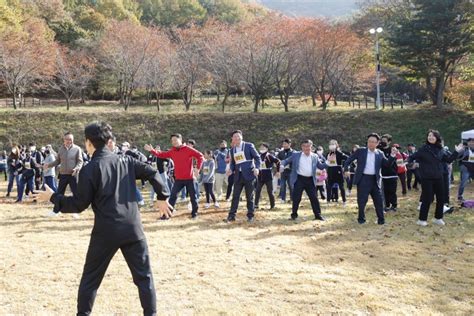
[[158, 97], [440, 85], [255, 106], [68, 103], [224, 101], [313, 98], [14, 97]]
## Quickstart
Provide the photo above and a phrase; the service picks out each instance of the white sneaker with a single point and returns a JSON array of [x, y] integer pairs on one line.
[[419, 206], [75, 215], [207, 205], [216, 205], [52, 214], [182, 200], [421, 223], [190, 206], [349, 193], [227, 200], [344, 204], [439, 222], [141, 203]]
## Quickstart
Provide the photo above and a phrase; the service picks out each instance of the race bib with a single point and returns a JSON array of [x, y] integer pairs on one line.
[[400, 162], [239, 157], [28, 165], [153, 164], [205, 171], [264, 165], [471, 156], [332, 162]]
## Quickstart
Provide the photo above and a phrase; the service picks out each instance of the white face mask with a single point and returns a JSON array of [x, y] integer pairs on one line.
[[14, 151], [32, 148], [332, 147], [262, 151], [319, 152], [124, 148]]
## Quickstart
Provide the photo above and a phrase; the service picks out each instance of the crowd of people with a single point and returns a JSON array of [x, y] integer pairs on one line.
[[377, 170]]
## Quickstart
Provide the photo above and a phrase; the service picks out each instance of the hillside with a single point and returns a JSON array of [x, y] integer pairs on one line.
[[141, 126]]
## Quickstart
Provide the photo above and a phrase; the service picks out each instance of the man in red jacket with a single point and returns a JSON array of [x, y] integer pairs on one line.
[[184, 172]]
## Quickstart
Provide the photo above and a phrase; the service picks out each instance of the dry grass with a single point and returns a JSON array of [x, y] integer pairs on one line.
[[274, 266]]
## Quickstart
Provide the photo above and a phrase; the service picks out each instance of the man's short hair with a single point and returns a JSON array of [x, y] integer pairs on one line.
[[287, 140], [176, 135], [98, 133], [377, 136], [387, 136], [307, 141], [192, 142], [265, 145], [68, 133], [237, 131]]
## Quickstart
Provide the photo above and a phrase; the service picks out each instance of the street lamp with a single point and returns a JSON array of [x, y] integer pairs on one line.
[[375, 32]]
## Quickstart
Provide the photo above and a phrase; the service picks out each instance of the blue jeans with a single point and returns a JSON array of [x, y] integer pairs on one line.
[[50, 181], [465, 175], [30, 183], [11, 178], [284, 182]]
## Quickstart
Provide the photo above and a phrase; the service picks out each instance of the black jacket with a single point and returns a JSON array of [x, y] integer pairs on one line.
[[108, 183], [335, 173], [283, 155], [268, 161], [431, 158]]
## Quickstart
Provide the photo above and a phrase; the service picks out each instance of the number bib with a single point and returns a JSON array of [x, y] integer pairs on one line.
[[471, 156], [28, 165], [154, 165], [239, 157], [205, 170], [400, 162]]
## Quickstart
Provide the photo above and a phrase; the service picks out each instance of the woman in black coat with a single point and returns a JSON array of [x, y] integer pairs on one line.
[[431, 158]]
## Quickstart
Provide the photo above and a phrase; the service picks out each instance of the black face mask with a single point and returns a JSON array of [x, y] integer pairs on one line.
[[383, 144], [223, 148], [47, 152]]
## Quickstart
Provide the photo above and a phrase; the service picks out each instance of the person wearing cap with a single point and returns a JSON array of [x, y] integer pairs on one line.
[[466, 168]]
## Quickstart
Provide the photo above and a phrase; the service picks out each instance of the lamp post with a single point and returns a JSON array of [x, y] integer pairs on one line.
[[375, 32]]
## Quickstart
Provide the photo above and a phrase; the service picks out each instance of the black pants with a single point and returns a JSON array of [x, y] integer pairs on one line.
[[305, 184], [350, 182], [446, 182], [178, 186], [368, 186], [249, 191], [64, 181], [403, 181], [390, 192], [431, 188], [258, 192], [230, 185], [322, 192], [329, 188], [98, 257], [208, 188], [413, 173]]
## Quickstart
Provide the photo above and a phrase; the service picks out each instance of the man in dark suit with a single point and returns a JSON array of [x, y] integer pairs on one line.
[[303, 177], [368, 176], [108, 183], [244, 164]]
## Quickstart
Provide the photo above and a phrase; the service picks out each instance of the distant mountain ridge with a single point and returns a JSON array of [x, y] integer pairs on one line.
[[312, 8]]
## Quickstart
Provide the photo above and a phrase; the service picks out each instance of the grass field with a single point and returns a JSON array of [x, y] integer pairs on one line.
[[271, 267], [205, 124]]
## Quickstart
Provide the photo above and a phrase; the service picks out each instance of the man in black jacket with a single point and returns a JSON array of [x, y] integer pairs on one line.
[[108, 183], [284, 154]]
